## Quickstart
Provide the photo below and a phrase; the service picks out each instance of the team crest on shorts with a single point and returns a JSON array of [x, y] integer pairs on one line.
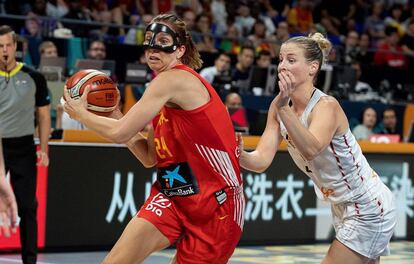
[[177, 180]]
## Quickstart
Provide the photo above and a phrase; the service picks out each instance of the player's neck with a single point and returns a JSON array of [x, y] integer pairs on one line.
[[9, 66], [301, 97]]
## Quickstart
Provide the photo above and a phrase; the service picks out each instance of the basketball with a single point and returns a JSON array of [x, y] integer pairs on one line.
[[103, 95]]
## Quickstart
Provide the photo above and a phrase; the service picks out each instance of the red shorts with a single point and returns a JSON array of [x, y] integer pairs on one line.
[[211, 240]]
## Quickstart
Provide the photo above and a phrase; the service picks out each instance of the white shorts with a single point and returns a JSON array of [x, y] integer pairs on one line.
[[366, 228]]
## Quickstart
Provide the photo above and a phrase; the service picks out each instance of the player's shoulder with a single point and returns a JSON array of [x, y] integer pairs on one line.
[[175, 77], [327, 102]]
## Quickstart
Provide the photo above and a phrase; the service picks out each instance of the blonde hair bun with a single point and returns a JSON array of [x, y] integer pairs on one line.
[[323, 43]]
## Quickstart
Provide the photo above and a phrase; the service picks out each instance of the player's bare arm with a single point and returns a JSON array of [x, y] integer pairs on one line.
[[143, 148], [322, 127], [261, 158], [141, 145], [8, 206], [159, 92]]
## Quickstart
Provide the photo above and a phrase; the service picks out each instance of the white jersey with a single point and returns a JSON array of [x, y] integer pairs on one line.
[[340, 172]]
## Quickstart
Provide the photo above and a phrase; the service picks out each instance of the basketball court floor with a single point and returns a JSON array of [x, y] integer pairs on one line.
[[402, 253]]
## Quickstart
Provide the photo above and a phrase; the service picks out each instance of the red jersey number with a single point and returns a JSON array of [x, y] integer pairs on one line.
[[161, 148]]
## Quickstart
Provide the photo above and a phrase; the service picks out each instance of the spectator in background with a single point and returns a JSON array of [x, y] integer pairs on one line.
[[219, 12], [389, 123], [390, 54], [276, 40], [407, 42], [231, 43], [221, 67], [47, 26], [162, 6], [33, 33], [237, 113], [124, 12], [362, 91], [233, 100], [263, 59], [135, 35], [258, 35], [38, 8], [32, 28], [244, 21], [202, 37], [99, 11], [395, 19], [349, 52], [300, 17], [56, 8], [365, 55], [277, 10], [331, 17], [267, 21], [47, 49], [355, 17], [189, 18], [79, 12], [368, 120], [360, 87], [194, 5], [374, 24], [97, 50], [241, 72], [144, 7]]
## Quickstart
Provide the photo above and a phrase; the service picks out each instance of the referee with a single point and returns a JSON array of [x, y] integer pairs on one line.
[[23, 93]]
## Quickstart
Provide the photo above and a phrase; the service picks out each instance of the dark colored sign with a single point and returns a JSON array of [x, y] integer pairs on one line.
[[93, 191]]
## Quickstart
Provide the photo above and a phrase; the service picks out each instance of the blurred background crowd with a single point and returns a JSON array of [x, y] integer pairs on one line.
[[239, 40]]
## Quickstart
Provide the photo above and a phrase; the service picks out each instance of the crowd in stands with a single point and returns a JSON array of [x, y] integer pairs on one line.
[[373, 39]]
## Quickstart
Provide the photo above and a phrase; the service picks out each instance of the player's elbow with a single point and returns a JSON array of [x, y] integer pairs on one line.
[[149, 164], [119, 134], [149, 161], [259, 169], [310, 155], [118, 137]]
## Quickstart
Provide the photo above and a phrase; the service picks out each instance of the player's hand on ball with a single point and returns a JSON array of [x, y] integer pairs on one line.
[[117, 113], [75, 107]]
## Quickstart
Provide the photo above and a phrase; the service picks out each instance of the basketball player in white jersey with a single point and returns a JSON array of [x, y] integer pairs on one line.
[[323, 147]]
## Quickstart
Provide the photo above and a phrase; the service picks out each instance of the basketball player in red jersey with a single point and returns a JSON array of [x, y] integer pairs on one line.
[[197, 203]]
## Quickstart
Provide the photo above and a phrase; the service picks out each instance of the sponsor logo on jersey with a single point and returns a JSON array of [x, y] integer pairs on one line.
[[177, 180]]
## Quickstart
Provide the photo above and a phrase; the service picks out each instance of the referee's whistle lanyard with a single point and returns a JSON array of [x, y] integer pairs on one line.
[[7, 76]]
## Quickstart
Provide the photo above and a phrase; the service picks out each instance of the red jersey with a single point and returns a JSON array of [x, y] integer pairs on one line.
[[196, 150], [391, 58]]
